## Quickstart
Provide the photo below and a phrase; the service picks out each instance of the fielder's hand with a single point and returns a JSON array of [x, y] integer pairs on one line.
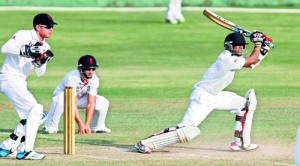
[[43, 58], [257, 37], [32, 51]]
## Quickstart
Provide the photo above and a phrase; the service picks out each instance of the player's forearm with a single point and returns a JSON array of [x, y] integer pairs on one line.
[[77, 118], [89, 114], [253, 58]]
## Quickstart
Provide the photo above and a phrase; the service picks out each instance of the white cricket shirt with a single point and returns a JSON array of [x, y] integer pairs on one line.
[[73, 79], [221, 73], [16, 64]]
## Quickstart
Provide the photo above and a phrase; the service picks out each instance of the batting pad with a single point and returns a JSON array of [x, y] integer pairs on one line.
[[251, 103], [181, 135], [32, 125]]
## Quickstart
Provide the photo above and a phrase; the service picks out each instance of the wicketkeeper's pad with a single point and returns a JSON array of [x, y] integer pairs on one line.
[[180, 135], [32, 124]]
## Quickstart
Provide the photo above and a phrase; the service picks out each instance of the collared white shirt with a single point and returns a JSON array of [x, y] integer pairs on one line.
[[221, 73], [16, 64], [73, 79]]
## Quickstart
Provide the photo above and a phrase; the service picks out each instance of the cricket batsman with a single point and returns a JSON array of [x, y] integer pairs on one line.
[[208, 94]]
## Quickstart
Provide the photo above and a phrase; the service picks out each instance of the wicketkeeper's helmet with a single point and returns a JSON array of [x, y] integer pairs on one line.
[[86, 62], [234, 39]]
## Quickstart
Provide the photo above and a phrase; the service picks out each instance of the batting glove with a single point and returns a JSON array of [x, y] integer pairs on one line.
[[257, 37]]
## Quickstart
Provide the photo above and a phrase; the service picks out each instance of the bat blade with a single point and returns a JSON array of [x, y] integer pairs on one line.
[[232, 26], [219, 20]]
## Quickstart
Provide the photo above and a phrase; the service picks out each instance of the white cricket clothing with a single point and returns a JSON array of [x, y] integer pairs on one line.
[[15, 64], [82, 91], [73, 79], [221, 73], [208, 94], [13, 75], [16, 69], [174, 10]]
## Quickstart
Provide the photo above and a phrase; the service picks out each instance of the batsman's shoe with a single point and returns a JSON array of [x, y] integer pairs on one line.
[[237, 146], [4, 152], [43, 118], [32, 155], [48, 131], [102, 130], [142, 149]]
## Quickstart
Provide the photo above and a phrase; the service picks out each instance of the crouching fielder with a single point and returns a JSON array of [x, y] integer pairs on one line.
[[86, 84], [209, 94]]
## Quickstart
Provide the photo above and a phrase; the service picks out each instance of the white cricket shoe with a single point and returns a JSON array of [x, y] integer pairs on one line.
[[142, 149], [32, 155], [12, 154], [181, 20], [170, 21], [48, 131], [102, 130], [237, 146]]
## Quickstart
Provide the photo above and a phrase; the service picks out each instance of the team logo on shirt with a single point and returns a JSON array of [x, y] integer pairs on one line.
[[235, 60]]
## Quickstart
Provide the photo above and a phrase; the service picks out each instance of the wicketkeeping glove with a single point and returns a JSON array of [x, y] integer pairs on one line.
[[257, 37], [32, 51], [43, 58]]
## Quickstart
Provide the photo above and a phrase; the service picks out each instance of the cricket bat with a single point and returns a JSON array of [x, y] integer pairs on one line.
[[232, 26]]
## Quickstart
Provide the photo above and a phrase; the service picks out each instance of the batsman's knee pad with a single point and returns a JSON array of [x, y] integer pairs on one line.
[[251, 100], [168, 137]]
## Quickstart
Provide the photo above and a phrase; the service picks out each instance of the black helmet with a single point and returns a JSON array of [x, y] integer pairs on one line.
[[234, 39], [85, 62]]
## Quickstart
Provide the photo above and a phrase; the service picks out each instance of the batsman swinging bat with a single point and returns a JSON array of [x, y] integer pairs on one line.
[[232, 26]]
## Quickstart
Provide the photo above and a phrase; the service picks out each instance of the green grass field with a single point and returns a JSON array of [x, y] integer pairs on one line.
[[147, 71]]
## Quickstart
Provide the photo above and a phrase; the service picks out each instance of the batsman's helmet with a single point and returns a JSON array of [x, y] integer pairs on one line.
[[234, 39], [86, 62]]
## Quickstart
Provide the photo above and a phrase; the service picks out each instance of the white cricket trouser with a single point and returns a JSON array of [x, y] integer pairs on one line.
[[14, 87], [202, 103], [174, 10], [57, 109]]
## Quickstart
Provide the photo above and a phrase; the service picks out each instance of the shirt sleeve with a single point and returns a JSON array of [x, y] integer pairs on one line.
[[13, 45], [40, 71], [93, 87]]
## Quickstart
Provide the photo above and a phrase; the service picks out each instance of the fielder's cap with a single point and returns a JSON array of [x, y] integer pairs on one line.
[[44, 19]]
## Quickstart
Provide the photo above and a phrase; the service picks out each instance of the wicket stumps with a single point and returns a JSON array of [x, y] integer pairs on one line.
[[69, 120]]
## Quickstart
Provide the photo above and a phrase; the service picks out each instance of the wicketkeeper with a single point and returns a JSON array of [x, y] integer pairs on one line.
[[86, 83], [26, 50], [208, 94]]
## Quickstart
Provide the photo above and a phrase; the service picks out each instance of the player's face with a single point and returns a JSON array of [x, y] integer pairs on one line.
[[239, 49], [89, 71], [44, 31]]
